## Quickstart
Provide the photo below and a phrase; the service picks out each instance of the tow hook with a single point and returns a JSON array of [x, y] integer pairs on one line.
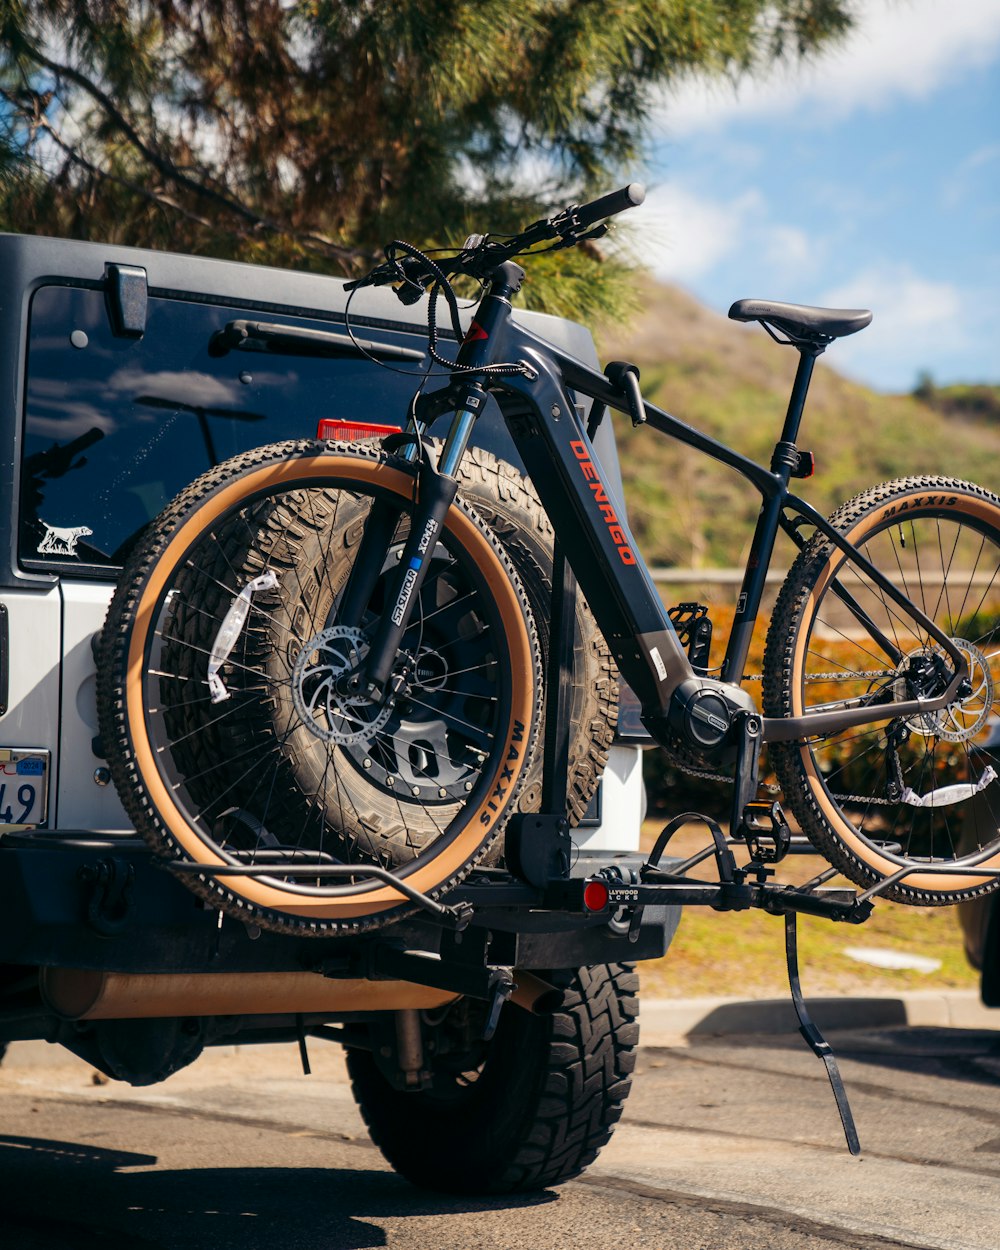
[[112, 895]]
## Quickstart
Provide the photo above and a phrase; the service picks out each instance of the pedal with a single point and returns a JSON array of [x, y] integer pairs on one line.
[[765, 831], [694, 629]]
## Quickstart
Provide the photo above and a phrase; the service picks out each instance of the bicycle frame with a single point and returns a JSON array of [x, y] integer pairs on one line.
[[539, 407]]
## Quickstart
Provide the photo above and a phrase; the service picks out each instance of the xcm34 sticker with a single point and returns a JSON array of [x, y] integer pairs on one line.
[[410, 576]]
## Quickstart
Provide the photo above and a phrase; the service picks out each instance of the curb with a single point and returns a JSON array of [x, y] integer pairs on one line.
[[670, 1021]]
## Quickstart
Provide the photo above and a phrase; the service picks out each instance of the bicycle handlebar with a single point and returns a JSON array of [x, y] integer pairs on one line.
[[611, 204], [570, 225]]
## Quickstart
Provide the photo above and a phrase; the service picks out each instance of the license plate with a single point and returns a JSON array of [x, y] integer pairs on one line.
[[24, 786]]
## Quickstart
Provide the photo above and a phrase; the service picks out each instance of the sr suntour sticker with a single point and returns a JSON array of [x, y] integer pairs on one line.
[[62, 540]]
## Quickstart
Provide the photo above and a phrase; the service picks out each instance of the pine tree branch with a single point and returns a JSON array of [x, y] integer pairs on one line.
[[40, 122], [169, 170]]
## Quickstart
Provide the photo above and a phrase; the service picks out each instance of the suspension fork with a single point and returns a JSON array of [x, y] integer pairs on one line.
[[436, 490], [379, 527]]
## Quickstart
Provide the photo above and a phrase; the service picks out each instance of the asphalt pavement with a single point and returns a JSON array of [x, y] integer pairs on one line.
[[730, 1139]]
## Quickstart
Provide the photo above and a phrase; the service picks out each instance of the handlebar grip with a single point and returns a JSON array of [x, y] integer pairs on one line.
[[614, 202]]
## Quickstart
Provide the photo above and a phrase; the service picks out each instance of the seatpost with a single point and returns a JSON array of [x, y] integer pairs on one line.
[[800, 388], [784, 462]]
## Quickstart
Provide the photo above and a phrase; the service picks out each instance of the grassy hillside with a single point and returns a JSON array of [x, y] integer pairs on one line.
[[732, 381]]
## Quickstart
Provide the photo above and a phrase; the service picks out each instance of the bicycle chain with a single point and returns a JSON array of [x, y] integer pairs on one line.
[[865, 800], [842, 675], [868, 675]]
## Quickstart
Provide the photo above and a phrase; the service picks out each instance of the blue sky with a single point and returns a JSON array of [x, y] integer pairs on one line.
[[870, 178]]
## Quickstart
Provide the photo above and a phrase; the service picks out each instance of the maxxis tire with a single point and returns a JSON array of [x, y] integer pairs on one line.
[[551, 1090], [145, 590], [863, 519], [509, 506]]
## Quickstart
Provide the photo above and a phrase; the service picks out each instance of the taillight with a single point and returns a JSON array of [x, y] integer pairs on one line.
[[595, 896], [353, 431]]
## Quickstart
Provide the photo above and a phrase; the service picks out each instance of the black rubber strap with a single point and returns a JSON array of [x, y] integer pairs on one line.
[[815, 1039]]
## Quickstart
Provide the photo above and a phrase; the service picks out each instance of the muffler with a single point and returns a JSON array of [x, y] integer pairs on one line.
[[86, 994]]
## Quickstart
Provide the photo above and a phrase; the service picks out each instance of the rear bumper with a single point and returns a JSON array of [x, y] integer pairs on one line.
[[86, 900]]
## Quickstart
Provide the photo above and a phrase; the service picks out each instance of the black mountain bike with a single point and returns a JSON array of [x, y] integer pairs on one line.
[[322, 676]]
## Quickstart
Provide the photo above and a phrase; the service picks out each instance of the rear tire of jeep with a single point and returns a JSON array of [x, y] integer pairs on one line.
[[537, 1111]]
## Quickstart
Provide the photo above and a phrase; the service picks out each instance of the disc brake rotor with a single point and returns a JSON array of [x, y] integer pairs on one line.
[[963, 719], [327, 712]]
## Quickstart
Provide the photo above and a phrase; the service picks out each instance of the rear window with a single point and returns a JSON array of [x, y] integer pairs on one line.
[[115, 427]]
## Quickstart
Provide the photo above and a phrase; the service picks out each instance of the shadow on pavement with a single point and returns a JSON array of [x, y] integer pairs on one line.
[[777, 1015], [969, 1055], [59, 1194], [873, 1031]]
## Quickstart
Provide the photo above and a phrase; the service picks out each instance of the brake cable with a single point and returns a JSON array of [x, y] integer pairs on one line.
[[442, 285]]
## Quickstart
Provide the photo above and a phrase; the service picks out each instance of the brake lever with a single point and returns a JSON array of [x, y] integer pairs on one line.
[[409, 292], [387, 272], [571, 238]]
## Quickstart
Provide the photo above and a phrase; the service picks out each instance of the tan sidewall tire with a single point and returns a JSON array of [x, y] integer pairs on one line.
[[480, 824], [878, 865]]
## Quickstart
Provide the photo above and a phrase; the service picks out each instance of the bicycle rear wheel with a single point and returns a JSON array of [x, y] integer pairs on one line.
[[285, 772], [918, 792]]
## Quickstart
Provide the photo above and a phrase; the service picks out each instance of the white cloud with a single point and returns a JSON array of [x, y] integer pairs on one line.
[[906, 302], [898, 49], [982, 156], [974, 176], [685, 235], [175, 387], [916, 320], [789, 250]]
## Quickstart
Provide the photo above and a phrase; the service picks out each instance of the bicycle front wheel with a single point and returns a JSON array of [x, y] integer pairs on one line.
[[258, 756], [918, 792]]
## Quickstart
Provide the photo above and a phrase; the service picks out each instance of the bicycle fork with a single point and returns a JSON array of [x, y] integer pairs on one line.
[[436, 487]]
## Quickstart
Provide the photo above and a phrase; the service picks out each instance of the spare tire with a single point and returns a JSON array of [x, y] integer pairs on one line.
[[302, 537]]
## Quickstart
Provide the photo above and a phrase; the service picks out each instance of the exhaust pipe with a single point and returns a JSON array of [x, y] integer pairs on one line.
[[535, 995], [86, 994]]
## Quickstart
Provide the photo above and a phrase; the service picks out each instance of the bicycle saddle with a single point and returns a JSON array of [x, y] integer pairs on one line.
[[801, 322]]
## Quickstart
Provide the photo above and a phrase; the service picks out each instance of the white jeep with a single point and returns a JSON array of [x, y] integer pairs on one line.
[[115, 402]]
